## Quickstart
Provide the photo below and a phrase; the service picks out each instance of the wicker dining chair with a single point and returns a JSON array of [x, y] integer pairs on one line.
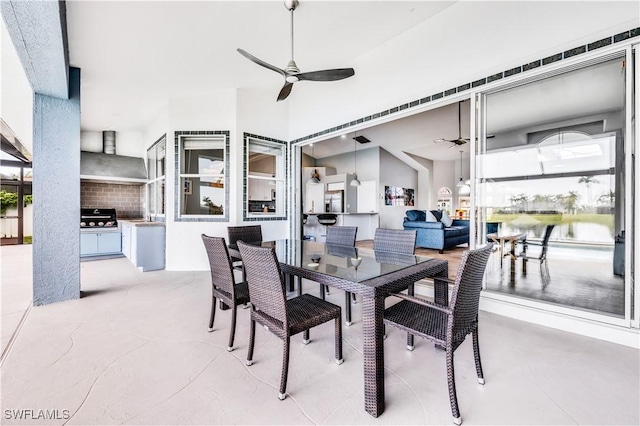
[[397, 241], [447, 326], [344, 236], [248, 234], [223, 285], [271, 309]]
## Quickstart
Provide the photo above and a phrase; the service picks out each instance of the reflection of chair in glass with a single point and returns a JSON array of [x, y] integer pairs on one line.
[[341, 236], [282, 317], [223, 285], [447, 326], [542, 257]]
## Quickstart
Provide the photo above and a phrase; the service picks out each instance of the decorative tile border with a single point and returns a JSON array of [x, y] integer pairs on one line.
[[245, 173], [517, 70], [178, 191]]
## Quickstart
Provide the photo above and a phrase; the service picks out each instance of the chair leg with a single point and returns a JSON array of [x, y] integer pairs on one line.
[[252, 341], [285, 368], [322, 292], [234, 311], [326, 289], [410, 292], [354, 298], [338, 345], [347, 307], [453, 398], [213, 313], [476, 356], [305, 337]]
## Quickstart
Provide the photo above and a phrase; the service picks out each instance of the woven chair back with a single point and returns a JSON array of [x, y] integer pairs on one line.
[[397, 241], [342, 235], [466, 291], [264, 278], [248, 234], [219, 263]]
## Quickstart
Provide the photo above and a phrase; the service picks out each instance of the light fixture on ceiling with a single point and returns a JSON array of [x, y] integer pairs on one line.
[[315, 176], [461, 182], [355, 181]]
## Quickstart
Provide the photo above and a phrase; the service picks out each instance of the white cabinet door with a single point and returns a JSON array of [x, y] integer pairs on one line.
[[368, 197], [126, 240], [88, 244], [314, 198], [109, 242]]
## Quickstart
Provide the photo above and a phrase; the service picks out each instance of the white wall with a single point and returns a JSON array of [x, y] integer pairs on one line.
[[16, 101], [239, 111], [258, 114], [444, 175], [455, 48], [130, 143], [215, 111], [394, 172]]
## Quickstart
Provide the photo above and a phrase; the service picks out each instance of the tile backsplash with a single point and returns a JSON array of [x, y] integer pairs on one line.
[[127, 199]]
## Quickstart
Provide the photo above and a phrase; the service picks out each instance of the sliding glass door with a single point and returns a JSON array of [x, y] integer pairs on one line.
[[550, 188]]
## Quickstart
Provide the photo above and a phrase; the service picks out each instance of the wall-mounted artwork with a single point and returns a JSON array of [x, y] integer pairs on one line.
[[397, 196]]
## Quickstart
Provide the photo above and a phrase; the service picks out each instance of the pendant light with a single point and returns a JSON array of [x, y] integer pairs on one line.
[[460, 183], [355, 181], [315, 176]]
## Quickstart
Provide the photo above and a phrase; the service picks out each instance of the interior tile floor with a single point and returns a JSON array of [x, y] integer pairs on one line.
[[135, 350]]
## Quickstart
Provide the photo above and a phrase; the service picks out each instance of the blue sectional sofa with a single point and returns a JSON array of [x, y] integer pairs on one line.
[[434, 235]]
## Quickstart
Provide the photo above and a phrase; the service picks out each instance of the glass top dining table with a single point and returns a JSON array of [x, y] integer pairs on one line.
[[370, 274]]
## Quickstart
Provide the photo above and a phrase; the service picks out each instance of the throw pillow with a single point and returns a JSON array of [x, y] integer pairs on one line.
[[437, 214], [431, 217], [446, 220], [416, 215]]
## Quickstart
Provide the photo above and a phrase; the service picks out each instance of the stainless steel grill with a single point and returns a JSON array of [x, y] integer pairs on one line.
[[98, 218]]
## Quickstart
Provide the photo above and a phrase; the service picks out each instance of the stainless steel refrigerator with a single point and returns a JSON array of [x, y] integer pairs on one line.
[[334, 201]]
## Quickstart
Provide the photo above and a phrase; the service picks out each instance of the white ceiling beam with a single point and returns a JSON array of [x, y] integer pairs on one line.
[[38, 30]]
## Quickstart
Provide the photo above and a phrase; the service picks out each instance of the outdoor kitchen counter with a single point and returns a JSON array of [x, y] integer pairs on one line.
[[143, 243]]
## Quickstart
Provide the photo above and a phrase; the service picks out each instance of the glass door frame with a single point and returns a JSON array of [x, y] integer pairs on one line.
[[478, 120]]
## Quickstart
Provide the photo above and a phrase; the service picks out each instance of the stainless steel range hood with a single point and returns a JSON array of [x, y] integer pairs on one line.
[[108, 167]]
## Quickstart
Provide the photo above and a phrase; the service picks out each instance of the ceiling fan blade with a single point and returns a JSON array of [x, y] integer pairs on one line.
[[326, 75], [284, 92], [260, 62]]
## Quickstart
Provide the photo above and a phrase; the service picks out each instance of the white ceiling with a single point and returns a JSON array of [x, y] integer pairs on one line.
[[134, 56]]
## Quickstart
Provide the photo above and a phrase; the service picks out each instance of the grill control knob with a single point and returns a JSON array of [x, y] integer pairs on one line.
[[100, 223]]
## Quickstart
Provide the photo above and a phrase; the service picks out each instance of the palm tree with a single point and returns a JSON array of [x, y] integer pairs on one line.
[[571, 201], [588, 181], [607, 198]]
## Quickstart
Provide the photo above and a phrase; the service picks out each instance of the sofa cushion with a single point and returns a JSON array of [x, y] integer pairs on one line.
[[446, 219], [431, 217], [455, 231], [416, 215], [437, 214]]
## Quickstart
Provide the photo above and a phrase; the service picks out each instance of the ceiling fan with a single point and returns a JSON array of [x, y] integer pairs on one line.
[[292, 73], [460, 140]]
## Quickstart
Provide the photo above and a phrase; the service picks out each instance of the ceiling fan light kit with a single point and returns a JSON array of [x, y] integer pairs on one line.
[[292, 73]]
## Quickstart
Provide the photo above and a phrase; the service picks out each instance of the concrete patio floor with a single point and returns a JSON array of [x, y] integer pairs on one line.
[[135, 350]]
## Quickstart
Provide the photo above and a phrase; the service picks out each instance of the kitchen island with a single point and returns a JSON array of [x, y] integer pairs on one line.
[[366, 223], [143, 243]]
